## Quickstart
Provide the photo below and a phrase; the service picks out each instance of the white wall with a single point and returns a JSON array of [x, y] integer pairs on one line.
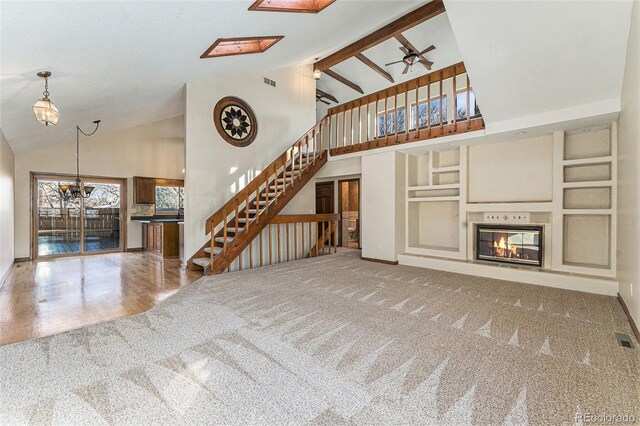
[[217, 170], [628, 175], [382, 209], [7, 172], [154, 150], [511, 172]]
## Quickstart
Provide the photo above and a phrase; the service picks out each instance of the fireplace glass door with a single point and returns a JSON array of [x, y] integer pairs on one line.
[[509, 244]]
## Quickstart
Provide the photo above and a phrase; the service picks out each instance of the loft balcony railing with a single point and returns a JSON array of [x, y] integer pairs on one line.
[[446, 105]]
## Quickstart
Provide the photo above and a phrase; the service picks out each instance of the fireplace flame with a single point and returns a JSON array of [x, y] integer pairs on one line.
[[504, 249]]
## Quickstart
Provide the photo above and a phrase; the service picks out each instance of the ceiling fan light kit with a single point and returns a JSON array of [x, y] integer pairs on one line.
[[412, 57]]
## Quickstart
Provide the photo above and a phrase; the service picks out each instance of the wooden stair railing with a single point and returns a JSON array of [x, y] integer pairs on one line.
[[374, 121], [240, 220], [325, 232], [290, 237]]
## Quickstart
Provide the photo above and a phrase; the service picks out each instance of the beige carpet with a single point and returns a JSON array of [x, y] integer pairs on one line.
[[334, 340]]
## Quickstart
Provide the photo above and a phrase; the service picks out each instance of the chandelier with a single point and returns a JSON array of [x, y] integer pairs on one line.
[[77, 190], [45, 110]]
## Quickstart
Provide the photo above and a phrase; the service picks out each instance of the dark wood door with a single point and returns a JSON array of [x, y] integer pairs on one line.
[[324, 198], [324, 202]]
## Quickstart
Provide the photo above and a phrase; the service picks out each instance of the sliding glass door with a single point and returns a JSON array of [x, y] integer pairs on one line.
[[77, 226], [102, 217], [58, 221]]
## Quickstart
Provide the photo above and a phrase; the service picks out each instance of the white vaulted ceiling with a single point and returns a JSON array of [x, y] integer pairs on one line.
[[539, 61], [436, 31], [126, 62]]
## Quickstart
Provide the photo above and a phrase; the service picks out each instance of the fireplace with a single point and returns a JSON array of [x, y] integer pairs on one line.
[[521, 245]]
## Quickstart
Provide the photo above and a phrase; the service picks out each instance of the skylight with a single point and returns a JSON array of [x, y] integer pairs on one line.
[[302, 6], [240, 46]]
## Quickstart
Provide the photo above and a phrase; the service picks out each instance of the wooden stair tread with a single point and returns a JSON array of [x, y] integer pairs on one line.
[[202, 261], [221, 239], [216, 250]]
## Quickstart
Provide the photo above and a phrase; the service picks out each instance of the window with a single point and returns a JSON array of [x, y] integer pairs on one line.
[[391, 122], [461, 103], [169, 199], [434, 113]]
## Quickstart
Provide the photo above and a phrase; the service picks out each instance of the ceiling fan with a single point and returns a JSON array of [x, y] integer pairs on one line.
[[412, 57]]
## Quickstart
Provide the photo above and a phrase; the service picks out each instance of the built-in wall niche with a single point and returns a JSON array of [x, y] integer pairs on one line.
[[587, 198], [446, 159], [587, 241], [433, 202], [434, 169], [419, 170], [584, 144], [446, 178], [588, 172], [434, 225], [434, 193]]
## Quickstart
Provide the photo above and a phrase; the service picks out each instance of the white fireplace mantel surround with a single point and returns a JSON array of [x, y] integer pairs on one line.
[[564, 182]]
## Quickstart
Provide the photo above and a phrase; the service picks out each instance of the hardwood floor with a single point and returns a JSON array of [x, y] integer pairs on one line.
[[46, 297]]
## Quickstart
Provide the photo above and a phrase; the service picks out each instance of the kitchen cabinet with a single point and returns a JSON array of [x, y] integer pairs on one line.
[[144, 190], [158, 238], [161, 239]]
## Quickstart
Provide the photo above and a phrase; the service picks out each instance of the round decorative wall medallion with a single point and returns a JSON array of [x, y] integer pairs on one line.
[[235, 121]]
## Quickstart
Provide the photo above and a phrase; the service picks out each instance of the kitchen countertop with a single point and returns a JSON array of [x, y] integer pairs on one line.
[[157, 219]]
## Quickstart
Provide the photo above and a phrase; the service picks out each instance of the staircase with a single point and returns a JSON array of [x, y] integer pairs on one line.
[[241, 219]]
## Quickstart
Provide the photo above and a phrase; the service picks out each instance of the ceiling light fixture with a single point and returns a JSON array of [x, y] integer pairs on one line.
[[77, 190], [317, 74], [45, 111]]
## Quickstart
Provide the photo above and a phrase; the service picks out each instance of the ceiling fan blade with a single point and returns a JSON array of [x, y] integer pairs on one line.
[[427, 64], [406, 68], [428, 49], [391, 63], [404, 50], [404, 42]]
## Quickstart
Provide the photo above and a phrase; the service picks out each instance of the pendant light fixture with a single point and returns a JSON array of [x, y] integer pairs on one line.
[[77, 190], [45, 110]]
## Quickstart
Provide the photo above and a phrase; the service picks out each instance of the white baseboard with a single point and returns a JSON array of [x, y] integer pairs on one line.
[[3, 279], [563, 280]]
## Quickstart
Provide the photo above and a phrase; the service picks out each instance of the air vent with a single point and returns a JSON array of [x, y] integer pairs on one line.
[[624, 340], [269, 82]]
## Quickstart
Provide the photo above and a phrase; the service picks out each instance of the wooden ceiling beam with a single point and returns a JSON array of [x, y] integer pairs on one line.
[[344, 81], [368, 62], [327, 95], [410, 20]]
